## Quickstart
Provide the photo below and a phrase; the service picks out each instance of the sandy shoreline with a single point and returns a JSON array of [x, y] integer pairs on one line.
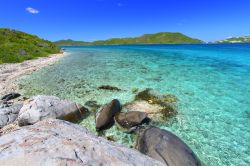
[[10, 72]]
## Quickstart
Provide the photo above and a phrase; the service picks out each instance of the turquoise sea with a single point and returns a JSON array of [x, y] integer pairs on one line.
[[211, 82]]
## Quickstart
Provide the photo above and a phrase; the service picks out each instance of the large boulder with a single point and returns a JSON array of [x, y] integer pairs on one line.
[[9, 114], [44, 107], [166, 147], [57, 142], [105, 117], [130, 120]]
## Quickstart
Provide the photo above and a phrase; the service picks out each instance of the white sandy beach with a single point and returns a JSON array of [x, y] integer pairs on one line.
[[10, 72]]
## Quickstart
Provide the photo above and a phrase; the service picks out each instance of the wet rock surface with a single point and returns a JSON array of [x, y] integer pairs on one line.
[[166, 147], [43, 107], [127, 120], [105, 117], [57, 142]]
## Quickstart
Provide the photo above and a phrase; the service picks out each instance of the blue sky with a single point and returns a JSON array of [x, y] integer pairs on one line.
[[90, 20]]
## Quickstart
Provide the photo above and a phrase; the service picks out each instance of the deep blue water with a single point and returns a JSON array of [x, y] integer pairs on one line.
[[211, 82]]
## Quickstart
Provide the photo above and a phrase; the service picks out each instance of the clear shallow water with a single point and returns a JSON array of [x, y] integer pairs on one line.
[[211, 82]]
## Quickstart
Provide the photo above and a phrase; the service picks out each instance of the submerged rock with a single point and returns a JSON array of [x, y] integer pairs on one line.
[[156, 112], [108, 87], [43, 107], [9, 114], [153, 98], [105, 117], [158, 107], [92, 105], [127, 120], [166, 147], [57, 142], [10, 96]]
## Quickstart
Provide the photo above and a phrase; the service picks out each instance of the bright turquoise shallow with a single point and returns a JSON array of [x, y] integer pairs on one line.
[[212, 83]]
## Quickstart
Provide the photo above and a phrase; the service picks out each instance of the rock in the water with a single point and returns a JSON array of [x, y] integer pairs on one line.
[[44, 107], [156, 112], [105, 117], [166, 147], [92, 105], [56, 142], [10, 96], [158, 107], [9, 114], [153, 97], [131, 119], [108, 87]]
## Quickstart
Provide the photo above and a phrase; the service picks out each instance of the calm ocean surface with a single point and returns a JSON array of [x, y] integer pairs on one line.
[[211, 82]]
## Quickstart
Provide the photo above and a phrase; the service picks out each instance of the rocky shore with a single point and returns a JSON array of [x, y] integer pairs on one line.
[[41, 131], [11, 72], [44, 130]]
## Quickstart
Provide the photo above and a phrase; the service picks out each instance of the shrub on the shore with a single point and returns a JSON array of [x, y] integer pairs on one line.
[[16, 46]]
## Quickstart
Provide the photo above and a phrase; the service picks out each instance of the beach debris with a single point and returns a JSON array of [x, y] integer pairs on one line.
[[43, 107], [166, 147], [108, 87], [105, 117]]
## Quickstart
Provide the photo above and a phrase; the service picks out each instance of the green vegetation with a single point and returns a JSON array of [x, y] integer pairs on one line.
[[70, 42], [158, 38], [244, 39], [16, 46]]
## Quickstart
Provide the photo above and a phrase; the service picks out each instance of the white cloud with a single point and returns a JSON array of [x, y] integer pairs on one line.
[[32, 10]]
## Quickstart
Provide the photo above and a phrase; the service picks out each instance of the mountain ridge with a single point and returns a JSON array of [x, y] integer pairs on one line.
[[156, 38]]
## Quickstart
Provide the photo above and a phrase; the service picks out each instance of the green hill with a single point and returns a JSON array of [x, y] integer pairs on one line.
[[16, 46], [158, 38], [70, 42], [244, 39]]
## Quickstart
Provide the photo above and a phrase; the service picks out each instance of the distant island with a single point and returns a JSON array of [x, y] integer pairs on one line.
[[157, 38], [17, 46], [244, 39]]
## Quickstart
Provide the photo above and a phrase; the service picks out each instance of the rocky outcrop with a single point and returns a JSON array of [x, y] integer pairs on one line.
[[164, 146], [57, 142], [158, 107], [108, 87], [9, 114], [105, 117], [129, 120], [43, 107]]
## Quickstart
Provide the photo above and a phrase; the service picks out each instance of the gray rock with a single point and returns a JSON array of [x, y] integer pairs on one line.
[[56, 142], [164, 146], [44, 107], [9, 114], [131, 119], [105, 117]]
